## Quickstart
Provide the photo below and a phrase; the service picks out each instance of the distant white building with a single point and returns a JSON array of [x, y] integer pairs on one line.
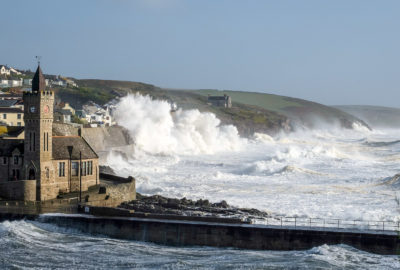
[[4, 70], [15, 82], [3, 82], [27, 82]]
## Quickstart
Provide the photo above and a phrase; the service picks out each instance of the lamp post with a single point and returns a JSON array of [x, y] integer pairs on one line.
[[70, 148], [80, 177]]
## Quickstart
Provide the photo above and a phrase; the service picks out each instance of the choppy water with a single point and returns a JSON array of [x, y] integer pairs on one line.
[[35, 245], [330, 172]]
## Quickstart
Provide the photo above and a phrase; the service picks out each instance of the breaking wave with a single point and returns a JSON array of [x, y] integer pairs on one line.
[[381, 144], [157, 130], [265, 168]]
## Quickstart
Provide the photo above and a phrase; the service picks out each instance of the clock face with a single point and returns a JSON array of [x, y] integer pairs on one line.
[[46, 109], [32, 109]]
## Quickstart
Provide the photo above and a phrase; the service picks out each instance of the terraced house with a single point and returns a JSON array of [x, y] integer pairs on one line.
[[42, 166]]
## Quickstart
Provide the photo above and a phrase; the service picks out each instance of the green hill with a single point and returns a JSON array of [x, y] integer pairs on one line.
[[303, 112]]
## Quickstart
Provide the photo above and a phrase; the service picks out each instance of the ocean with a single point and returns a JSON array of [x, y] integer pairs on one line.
[[328, 172]]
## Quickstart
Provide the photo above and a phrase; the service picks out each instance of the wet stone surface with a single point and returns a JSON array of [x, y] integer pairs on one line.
[[157, 204]]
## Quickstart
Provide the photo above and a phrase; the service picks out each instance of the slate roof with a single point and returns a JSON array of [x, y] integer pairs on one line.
[[8, 102], [8, 146], [11, 110], [38, 81], [61, 143], [12, 131], [63, 112]]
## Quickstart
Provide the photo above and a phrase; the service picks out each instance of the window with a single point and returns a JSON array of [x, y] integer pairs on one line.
[[4, 116], [61, 169], [16, 159], [19, 116], [4, 160], [83, 168], [19, 124], [74, 168], [90, 167]]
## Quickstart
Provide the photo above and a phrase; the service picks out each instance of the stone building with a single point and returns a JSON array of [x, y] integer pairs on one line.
[[42, 166], [220, 101]]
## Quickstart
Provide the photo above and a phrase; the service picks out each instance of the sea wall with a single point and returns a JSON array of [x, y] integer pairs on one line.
[[187, 233], [100, 138], [104, 138]]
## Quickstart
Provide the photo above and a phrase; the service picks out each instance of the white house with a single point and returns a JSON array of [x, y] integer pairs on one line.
[[27, 82], [4, 70], [3, 83], [15, 82]]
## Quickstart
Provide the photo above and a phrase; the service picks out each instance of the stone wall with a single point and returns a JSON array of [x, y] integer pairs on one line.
[[181, 233], [121, 188], [22, 190], [103, 138]]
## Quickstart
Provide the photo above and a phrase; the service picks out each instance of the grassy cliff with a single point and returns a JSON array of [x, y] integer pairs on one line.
[[251, 112]]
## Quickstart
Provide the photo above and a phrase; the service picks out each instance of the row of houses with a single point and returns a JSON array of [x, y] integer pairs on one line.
[[19, 82], [8, 79], [91, 114]]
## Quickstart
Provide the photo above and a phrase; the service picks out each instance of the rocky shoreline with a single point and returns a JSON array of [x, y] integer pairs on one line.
[[157, 204]]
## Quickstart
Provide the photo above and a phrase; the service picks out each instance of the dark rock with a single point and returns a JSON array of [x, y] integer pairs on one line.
[[221, 204], [161, 205], [106, 169]]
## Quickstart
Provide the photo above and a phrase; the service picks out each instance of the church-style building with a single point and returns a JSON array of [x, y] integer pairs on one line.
[[42, 166]]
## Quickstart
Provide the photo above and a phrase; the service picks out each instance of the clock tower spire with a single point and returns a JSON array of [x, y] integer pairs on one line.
[[38, 116]]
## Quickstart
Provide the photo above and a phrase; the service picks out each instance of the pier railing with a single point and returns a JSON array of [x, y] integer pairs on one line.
[[326, 223]]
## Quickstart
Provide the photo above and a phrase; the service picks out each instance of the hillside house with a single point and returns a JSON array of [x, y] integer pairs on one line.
[[27, 82], [4, 82], [68, 108], [62, 116], [220, 101], [5, 70], [11, 117]]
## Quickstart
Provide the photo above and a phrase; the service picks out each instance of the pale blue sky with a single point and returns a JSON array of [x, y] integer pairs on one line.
[[333, 52]]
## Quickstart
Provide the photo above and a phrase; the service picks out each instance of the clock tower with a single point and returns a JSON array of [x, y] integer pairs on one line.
[[38, 117]]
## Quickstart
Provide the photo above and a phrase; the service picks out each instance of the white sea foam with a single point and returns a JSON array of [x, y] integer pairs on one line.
[[36, 245], [158, 130], [327, 172]]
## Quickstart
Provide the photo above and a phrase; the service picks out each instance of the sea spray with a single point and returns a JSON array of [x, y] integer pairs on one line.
[[157, 130], [326, 172]]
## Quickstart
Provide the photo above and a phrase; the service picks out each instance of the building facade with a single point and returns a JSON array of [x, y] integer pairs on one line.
[[11, 117], [57, 164], [220, 101]]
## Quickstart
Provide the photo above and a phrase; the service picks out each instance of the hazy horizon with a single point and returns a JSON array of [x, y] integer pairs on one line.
[[335, 53]]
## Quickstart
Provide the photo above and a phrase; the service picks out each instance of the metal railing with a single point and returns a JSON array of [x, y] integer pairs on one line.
[[322, 223]]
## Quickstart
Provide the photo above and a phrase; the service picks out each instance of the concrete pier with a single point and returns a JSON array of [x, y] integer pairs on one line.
[[246, 236]]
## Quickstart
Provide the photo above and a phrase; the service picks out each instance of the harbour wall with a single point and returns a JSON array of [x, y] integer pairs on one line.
[[259, 237]]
